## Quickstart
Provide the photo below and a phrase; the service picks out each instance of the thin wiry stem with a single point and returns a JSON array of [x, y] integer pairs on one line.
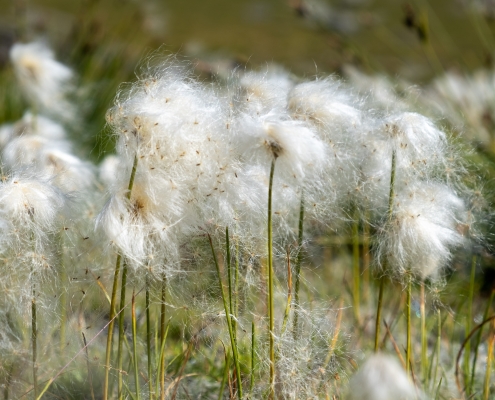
[[63, 295], [148, 339], [34, 334], [382, 279], [424, 345], [121, 332], [225, 376], [134, 345], [113, 299], [289, 295], [253, 357], [355, 266], [469, 318], [478, 339], [298, 268], [408, 312], [88, 365], [163, 336], [229, 322], [488, 372], [270, 286], [229, 275], [110, 327]]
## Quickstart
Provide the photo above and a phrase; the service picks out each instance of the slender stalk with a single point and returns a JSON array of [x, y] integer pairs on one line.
[[355, 267], [229, 322], [298, 268], [469, 318], [382, 279], [478, 339], [270, 286], [63, 295], [108, 351], [235, 312], [253, 357], [134, 345], [489, 359], [88, 365], [229, 275], [289, 295], [408, 311], [225, 376], [424, 359], [34, 334], [366, 260], [439, 344], [121, 333], [379, 313], [163, 336], [148, 339], [110, 327]]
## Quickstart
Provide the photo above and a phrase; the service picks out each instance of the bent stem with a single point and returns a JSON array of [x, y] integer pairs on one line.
[[108, 351], [298, 268], [229, 322], [382, 279]]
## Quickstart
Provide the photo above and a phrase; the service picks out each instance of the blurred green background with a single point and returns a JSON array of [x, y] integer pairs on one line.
[[104, 41]]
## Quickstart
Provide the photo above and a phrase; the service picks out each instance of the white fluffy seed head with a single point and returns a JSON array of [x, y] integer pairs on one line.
[[381, 377], [44, 80], [32, 205], [419, 145], [258, 93], [426, 225]]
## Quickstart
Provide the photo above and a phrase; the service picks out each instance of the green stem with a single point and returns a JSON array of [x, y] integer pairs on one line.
[[391, 197], [63, 295], [163, 336], [424, 359], [134, 346], [225, 376], [289, 296], [110, 327], [469, 318], [408, 311], [148, 339], [379, 312], [229, 275], [355, 266], [120, 387], [270, 286], [34, 334], [229, 322], [439, 344], [236, 284], [488, 372], [298, 268], [253, 357], [478, 339], [113, 299]]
